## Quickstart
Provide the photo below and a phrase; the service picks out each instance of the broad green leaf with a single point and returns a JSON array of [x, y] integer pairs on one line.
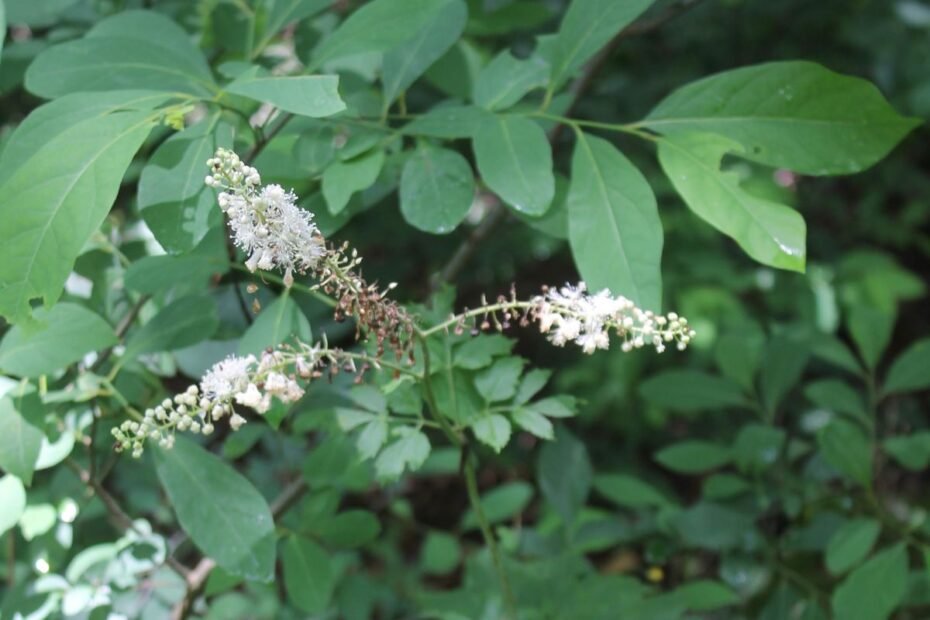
[[499, 381], [533, 422], [377, 26], [909, 372], [480, 351], [372, 437], [69, 184], [283, 12], [153, 274], [851, 544], [707, 525], [564, 473], [21, 434], [407, 62], [309, 578], [694, 456], [847, 449], [307, 95], [506, 80], [795, 114], [440, 553], [724, 486], [629, 491], [182, 323], [875, 589], [12, 502], [771, 233], [506, 501], [349, 529], [436, 189], [515, 161], [587, 26], [613, 224], [492, 430], [705, 595], [37, 520], [738, 354], [408, 452], [131, 49], [55, 117], [225, 516], [29, 13], [834, 351], [67, 332], [554, 406], [449, 121], [277, 323], [757, 447], [911, 451], [531, 383], [785, 359], [2, 25], [174, 201], [871, 331], [691, 391], [838, 396], [343, 178]]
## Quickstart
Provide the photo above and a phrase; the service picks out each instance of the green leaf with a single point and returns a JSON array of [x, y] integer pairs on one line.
[[771, 233], [705, 595], [515, 160], [533, 422], [785, 359], [613, 224], [480, 351], [629, 491], [492, 430], [12, 502], [875, 589], [871, 331], [694, 456], [587, 26], [279, 322], [499, 381], [440, 553], [555, 406], [757, 447], [407, 62], [2, 25], [795, 114], [283, 12], [67, 332], [506, 80], [315, 96], [372, 437], [164, 272], [531, 383], [343, 178], [449, 121], [834, 351], [436, 189], [691, 391], [851, 544], [909, 372], [911, 451], [69, 184], [711, 526], [309, 578], [182, 323], [132, 49], [37, 520], [21, 434], [174, 201], [847, 449], [350, 529], [378, 26], [501, 503], [738, 354], [564, 473], [31, 13], [838, 396], [225, 516], [409, 452]]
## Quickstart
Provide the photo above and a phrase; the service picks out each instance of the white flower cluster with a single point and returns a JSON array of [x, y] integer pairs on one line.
[[266, 222], [238, 380], [570, 314]]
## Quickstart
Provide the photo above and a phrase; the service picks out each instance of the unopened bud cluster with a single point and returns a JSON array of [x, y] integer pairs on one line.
[[570, 314], [266, 222]]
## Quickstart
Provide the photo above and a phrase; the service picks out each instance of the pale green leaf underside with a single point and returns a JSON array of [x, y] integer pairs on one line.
[[796, 115], [613, 224], [771, 233]]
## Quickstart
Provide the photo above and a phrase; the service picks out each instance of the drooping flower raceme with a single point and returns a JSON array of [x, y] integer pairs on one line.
[[266, 222]]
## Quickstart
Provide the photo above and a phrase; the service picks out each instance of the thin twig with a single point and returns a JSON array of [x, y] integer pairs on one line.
[[121, 328]]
